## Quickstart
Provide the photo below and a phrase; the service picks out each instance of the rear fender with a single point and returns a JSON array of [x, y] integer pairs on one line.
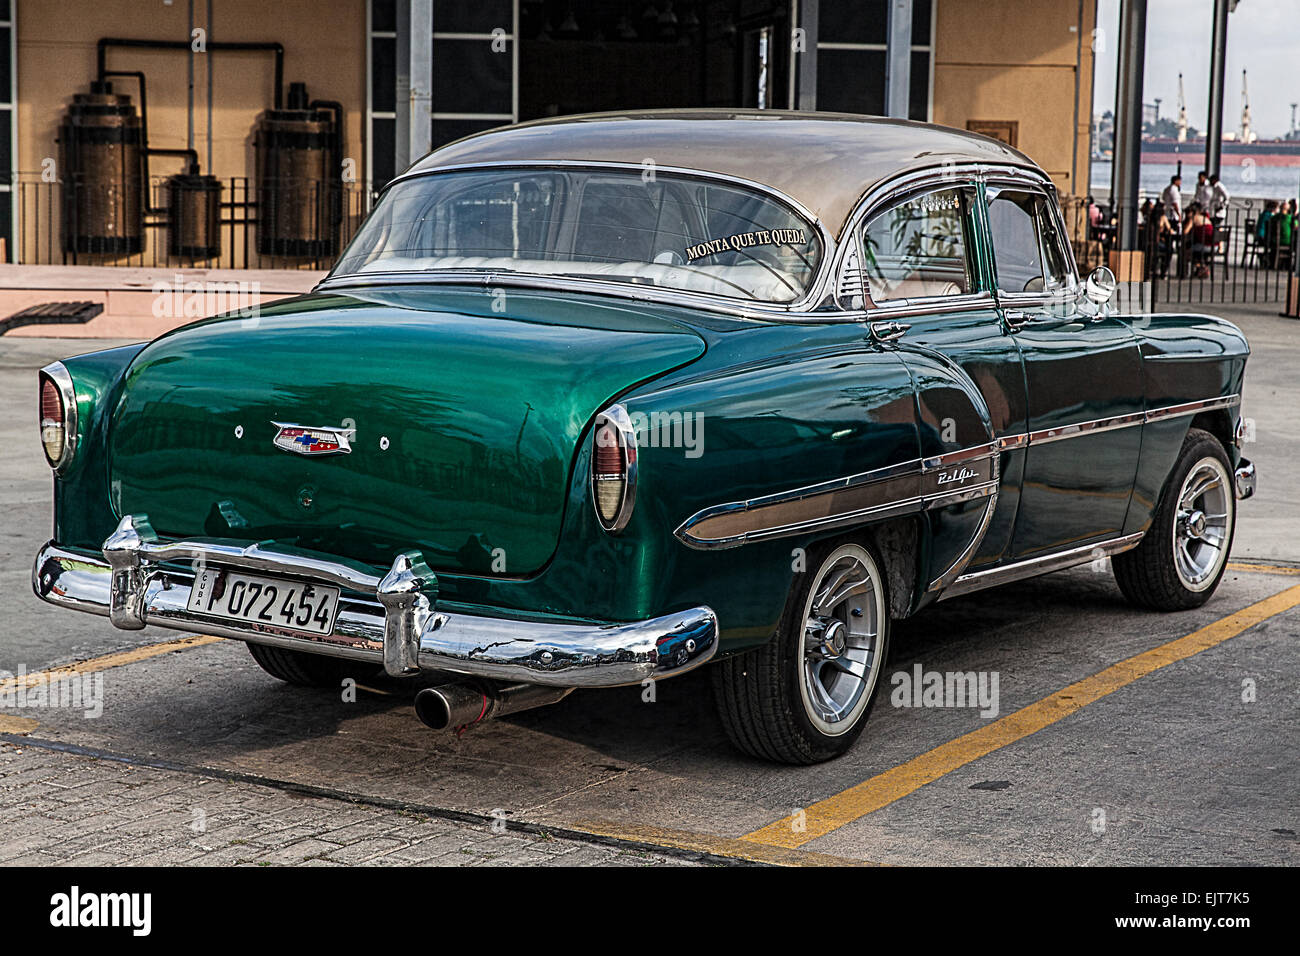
[[84, 512], [960, 464]]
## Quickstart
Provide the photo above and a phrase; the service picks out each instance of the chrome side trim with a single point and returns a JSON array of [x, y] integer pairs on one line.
[[956, 457], [963, 560], [979, 580], [1191, 408], [1047, 435], [936, 305], [394, 623], [904, 488], [58, 373], [873, 496]]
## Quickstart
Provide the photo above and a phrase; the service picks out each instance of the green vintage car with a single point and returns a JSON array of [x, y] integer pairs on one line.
[[595, 401]]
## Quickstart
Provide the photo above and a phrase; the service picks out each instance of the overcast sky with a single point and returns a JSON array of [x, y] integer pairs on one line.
[[1263, 38]]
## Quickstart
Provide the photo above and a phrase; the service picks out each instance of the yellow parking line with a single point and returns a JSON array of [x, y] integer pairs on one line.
[[142, 653], [707, 843], [17, 725], [883, 789], [1262, 568]]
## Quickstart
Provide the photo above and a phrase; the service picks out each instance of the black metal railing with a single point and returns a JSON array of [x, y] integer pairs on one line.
[[1244, 256], [285, 225]]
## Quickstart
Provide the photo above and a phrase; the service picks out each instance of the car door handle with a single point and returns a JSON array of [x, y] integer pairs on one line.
[[1015, 319], [888, 331]]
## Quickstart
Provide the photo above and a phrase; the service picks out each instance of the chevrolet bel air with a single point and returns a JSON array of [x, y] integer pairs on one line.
[[595, 401]]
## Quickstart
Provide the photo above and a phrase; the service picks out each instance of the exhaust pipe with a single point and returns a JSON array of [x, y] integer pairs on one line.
[[457, 706]]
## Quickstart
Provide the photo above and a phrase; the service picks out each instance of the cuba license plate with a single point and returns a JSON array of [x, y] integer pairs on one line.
[[253, 599]]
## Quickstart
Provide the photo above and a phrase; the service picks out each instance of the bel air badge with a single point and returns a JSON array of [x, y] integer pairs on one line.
[[311, 440]]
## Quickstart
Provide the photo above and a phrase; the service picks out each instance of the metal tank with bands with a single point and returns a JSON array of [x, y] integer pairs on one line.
[[100, 152], [298, 191]]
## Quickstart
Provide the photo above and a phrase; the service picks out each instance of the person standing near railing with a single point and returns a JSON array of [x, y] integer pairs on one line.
[[1157, 238], [1172, 199], [1286, 231], [1164, 234], [1204, 195], [1219, 199], [1264, 231], [1198, 234]]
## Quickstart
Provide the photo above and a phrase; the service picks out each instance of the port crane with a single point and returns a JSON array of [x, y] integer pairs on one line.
[[1247, 134], [1182, 112]]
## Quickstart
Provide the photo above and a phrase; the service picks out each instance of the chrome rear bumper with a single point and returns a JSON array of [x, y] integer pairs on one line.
[[391, 620]]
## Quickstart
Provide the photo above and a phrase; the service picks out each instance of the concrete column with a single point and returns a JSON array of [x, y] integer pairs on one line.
[[414, 81], [807, 60], [1218, 59], [1128, 121], [898, 69]]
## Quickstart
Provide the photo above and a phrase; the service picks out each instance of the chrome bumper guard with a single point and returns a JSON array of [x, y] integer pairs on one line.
[[1244, 478], [394, 622]]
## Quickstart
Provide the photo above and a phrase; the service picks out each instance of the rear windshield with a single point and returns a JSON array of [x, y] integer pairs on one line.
[[628, 226]]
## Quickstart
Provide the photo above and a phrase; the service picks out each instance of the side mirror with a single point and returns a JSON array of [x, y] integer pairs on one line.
[[1100, 285]]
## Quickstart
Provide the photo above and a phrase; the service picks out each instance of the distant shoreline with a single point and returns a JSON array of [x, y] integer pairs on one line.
[[1256, 184]]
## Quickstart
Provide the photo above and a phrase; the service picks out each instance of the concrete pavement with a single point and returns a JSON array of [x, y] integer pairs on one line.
[[1191, 761]]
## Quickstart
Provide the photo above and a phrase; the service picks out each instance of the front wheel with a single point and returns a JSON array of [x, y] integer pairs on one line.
[[804, 697], [1184, 553]]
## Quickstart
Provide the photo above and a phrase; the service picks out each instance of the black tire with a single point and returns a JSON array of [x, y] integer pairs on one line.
[[759, 694], [1153, 575], [307, 670]]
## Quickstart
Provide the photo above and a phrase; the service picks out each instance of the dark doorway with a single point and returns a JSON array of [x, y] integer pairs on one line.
[[582, 56]]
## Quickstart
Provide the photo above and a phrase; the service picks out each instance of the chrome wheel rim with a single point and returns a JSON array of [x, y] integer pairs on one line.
[[1203, 524], [841, 639]]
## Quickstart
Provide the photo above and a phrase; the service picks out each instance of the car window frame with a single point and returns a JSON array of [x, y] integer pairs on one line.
[[969, 238], [1048, 193], [980, 293]]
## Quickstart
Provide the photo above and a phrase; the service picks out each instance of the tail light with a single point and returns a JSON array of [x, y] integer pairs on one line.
[[58, 415], [613, 468]]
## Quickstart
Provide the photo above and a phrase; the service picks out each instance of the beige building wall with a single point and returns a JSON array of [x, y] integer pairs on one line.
[[324, 47], [1020, 61]]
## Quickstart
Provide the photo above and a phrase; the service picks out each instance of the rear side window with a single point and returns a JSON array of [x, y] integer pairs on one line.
[[917, 249], [1027, 245]]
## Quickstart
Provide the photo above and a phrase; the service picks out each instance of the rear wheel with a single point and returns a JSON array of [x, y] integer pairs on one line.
[[306, 670], [804, 697], [1183, 555]]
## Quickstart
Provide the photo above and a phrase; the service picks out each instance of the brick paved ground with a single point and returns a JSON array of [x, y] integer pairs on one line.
[[60, 808]]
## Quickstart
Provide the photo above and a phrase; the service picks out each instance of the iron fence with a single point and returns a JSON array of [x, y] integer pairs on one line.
[[293, 225], [1244, 256]]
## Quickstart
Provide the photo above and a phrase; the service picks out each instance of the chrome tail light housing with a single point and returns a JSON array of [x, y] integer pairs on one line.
[[613, 468], [58, 415]]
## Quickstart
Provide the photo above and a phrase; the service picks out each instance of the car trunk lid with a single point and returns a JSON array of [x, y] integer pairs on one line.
[[466, 409]]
